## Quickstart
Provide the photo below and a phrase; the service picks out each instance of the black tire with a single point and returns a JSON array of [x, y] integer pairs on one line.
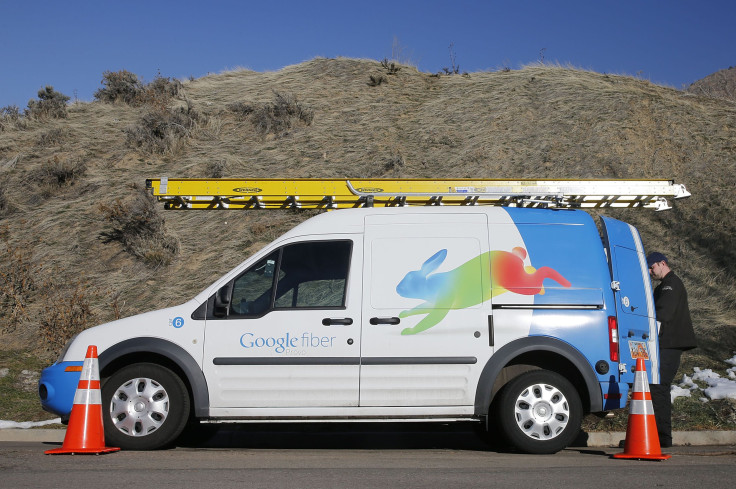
[[539, 412], [145, 406]]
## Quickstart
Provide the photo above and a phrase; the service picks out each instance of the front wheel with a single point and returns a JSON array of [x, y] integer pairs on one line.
[[145, 407], [539, 412]]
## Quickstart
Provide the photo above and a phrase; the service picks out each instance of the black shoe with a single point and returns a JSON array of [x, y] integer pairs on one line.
[[665, 444]]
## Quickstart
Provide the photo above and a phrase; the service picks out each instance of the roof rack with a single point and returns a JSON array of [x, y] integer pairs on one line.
[[312, 193]]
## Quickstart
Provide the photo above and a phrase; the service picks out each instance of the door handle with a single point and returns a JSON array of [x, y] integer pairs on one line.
[[392, 320], [337, 321]]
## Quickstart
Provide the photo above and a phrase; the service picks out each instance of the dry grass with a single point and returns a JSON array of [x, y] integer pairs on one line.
[[538, 122]]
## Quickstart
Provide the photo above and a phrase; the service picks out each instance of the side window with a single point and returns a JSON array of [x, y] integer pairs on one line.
[[313, 274], [252, 291]]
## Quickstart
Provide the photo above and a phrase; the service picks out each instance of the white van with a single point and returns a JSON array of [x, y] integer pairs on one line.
[[502, 315]]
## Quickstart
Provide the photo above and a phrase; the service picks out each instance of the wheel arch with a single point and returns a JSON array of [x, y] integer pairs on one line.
[[533, 353], [164, 353]]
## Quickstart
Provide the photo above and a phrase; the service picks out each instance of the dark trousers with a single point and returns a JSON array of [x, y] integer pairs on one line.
[[669, 362]]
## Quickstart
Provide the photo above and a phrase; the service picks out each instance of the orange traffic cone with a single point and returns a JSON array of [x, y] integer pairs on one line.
[[85, 433], [642, 441]]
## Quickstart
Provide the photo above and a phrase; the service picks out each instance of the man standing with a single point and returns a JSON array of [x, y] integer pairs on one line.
[[675, 336]]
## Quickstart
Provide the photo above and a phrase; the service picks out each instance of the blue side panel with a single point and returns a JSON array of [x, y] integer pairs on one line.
[[566, 241], [569, 243], [57, 388]]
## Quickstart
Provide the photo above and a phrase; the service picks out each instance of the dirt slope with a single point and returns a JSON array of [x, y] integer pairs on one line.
[[721, 84], [62, 179]]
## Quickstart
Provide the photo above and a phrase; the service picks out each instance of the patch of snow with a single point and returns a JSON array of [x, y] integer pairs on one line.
[[704, 375], [679, 392], [718, 387], [27, 424], [721, 389], [688, 383]]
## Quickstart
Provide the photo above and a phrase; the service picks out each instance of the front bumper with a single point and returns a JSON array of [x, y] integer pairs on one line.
[[57, 386]]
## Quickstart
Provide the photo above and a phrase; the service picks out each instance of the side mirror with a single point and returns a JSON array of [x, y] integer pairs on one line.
[[222, 301]]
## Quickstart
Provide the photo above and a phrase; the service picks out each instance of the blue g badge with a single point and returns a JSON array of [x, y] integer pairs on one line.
[[177, 322]]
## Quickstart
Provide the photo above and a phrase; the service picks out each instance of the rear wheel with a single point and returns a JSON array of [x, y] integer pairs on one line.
[[145, 407], [539, 412]]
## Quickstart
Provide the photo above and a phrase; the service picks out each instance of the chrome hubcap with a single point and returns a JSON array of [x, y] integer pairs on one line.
[[542, 411], [139, 407]]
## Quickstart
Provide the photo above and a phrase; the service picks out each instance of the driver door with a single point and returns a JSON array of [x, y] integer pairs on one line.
[[286, 332]]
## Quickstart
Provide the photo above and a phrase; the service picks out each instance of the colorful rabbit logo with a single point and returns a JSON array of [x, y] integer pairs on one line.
[[462, 287]]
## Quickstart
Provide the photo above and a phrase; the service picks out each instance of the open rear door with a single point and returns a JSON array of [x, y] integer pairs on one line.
[[632, 289]]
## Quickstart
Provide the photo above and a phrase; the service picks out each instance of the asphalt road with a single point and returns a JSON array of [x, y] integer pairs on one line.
[[339, 457]]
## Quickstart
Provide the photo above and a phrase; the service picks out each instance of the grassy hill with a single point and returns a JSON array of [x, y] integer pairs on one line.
[[721, 84], [83, 244]]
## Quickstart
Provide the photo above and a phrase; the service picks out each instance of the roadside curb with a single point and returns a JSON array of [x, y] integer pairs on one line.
[[34, 435], [679, 438], [592, 439]]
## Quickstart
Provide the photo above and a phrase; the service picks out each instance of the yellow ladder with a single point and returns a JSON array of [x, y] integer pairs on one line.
[[313, 193]]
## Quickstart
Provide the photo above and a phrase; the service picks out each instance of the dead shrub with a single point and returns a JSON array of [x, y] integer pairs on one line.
[[50, 105], [52, 137], [241, 110], [119, 86], [159, 92], [216, 169], [390, 66], [394, 163], [278, 117], [67, 312], [125, 87], [137, 225], [60, 172], [376, 80], [160, 130], [10, 118], [18, 275]]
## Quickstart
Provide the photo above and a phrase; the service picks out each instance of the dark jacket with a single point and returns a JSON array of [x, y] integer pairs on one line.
[[670, 300]]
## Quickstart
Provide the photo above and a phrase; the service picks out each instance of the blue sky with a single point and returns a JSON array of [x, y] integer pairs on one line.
[[70, 43]]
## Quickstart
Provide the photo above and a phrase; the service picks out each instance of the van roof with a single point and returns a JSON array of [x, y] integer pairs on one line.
[[350, 221]]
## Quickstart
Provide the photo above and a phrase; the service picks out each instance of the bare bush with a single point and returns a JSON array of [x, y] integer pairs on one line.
[[119, 86], [159, 130], [50, 105], [10, 118], [65, 171], [52, 137], [241, 110], [68, 312], [216, 169], [277, 117], [394, 163], [125, 87], [391, 67], [137, 225], [376, 80], [18, 275], [160, 91]]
